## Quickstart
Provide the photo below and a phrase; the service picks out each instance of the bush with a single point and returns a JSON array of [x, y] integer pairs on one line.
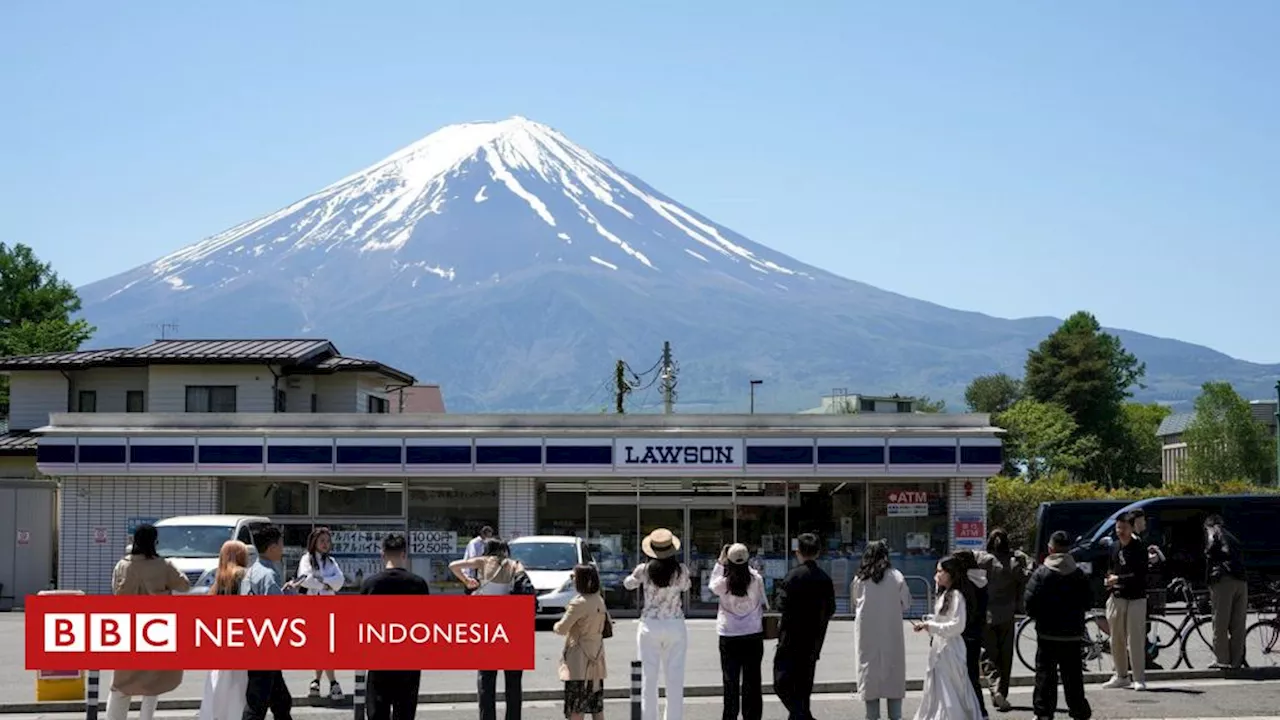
[[1012, 502]]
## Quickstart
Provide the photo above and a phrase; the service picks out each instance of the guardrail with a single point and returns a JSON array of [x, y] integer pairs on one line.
[[918, 608]]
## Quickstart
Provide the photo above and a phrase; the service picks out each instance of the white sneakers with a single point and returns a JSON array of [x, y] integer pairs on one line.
[[1117, 682]]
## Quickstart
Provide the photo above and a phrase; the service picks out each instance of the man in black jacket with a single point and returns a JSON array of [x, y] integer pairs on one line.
[[1127, 606], [807, 600], [1229, 592], [1058, 596]]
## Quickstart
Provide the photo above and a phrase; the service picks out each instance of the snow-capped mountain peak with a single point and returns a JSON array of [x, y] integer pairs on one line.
[[562, 202]]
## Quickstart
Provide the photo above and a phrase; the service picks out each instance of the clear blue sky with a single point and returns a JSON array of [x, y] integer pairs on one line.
[[1014, 158]]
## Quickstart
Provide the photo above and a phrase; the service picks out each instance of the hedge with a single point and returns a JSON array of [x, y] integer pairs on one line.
[[1012, 502]]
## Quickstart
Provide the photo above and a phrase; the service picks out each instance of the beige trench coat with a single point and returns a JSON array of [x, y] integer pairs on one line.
[[137, 575], [583, 630]]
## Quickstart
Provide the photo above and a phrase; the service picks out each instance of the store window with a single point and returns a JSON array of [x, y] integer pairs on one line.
[[837, 513], [912, 517], [295, 544], [444, 515], [357, 548], [613, 533], [761, 525], [272, 498], [374, 497], [562, 508]]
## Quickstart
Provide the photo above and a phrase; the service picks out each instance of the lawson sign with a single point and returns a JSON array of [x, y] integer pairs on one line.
[[658, 454]]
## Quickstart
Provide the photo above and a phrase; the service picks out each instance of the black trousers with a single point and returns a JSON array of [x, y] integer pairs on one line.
[[793, 682], [973, 659], [267, 691], [1058, 659], [393, 694], [512, 689], [740, 659]]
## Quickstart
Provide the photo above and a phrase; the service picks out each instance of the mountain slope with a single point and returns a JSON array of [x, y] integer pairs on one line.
[[515, 267]]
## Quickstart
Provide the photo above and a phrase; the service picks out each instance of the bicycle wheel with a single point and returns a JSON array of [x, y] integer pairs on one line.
[[1262, 644], [1197, 645], [1097, 646], [1025, 643], [1162, 635]]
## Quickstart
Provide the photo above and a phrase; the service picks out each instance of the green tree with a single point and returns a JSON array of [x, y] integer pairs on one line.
[[1088, 373], [1042, 439], [1137, 459], [926, 405], [992, 393], [1224, 441], [35, 308]]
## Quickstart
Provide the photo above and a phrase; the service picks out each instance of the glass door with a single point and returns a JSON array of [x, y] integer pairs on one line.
[[707, 531]]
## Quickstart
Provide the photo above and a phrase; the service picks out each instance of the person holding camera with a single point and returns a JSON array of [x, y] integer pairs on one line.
[[740, 625]]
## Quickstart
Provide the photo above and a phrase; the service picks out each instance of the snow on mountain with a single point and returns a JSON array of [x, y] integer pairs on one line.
[[515, 267], [580, 208]]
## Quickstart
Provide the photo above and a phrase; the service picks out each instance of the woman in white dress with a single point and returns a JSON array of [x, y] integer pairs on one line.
[[948, 694], [224, 690]]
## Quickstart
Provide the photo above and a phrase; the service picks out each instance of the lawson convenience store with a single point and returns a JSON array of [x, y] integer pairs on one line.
[[917, 480]]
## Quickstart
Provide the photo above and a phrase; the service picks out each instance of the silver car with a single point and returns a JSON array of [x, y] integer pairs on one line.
[[549, 561]]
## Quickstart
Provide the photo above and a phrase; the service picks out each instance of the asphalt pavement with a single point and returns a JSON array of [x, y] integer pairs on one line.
[[1196, 700]]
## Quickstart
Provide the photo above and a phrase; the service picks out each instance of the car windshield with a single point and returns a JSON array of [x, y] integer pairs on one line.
[[545, 555], [192, 541]]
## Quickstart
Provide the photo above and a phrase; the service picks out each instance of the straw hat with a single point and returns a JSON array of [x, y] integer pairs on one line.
[[660, 544]]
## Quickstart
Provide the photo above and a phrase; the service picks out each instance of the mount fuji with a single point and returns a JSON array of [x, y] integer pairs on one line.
[[514, 267]]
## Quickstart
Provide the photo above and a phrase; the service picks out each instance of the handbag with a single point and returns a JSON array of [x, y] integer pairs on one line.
[[772, 626], [608, 626]]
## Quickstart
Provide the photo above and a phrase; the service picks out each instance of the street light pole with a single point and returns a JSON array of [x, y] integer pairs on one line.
[[1278, 432], [754, 383]]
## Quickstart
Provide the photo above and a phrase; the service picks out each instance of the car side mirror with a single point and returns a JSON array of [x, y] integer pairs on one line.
[[1107, 542]]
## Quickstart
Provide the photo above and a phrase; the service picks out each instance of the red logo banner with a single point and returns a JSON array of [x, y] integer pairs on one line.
[[279, 632]]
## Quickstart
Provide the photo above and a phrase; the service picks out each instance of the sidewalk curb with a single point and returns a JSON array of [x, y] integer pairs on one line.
[[622, 693]]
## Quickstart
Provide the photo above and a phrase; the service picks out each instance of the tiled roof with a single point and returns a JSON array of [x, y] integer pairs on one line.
[[291, 351], [18, 443], [1175, 424]]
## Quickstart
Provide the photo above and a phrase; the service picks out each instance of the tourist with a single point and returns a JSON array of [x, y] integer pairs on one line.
[[807, 601], [1007, 571], [740, 625], [224, 690], [880, 600], [1057, 598], [267, 688], [393, 694], [661, 637], [143, 572], [1229, 592], [475, 549], [975, 628], [1127, 607], [319, 574], [495, 574], [582, 663], [948, 691]]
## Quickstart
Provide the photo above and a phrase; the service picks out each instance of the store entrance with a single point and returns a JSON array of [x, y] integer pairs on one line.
[[703, 524]]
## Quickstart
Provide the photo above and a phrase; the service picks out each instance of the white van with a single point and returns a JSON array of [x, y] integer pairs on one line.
[[192, 543], [549, 562]]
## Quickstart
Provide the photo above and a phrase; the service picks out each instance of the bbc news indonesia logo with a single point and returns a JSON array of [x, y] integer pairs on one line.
[[77, 632]]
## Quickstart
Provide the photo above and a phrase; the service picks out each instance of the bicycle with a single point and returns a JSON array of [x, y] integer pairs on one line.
[[1195, 647], [1262, 639]]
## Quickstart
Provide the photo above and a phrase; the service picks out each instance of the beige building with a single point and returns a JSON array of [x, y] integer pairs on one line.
[[1173, 449]]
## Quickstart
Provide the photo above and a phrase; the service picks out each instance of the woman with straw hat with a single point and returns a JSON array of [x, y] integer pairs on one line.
[[662, 638]]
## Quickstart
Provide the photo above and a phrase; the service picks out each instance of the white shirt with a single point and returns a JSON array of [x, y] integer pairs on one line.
[[325, 580], [738, 616], [666, 603]]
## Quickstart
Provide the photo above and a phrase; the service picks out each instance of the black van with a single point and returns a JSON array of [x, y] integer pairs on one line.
[[1176, 525], [1074, 517]]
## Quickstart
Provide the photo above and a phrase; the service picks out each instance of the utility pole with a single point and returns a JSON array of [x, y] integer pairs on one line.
[[754, 383], [1278, 432], [668, 379], [621, 387]]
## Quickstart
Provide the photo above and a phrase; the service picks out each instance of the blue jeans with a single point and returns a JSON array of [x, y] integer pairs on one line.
[[894, 707]]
